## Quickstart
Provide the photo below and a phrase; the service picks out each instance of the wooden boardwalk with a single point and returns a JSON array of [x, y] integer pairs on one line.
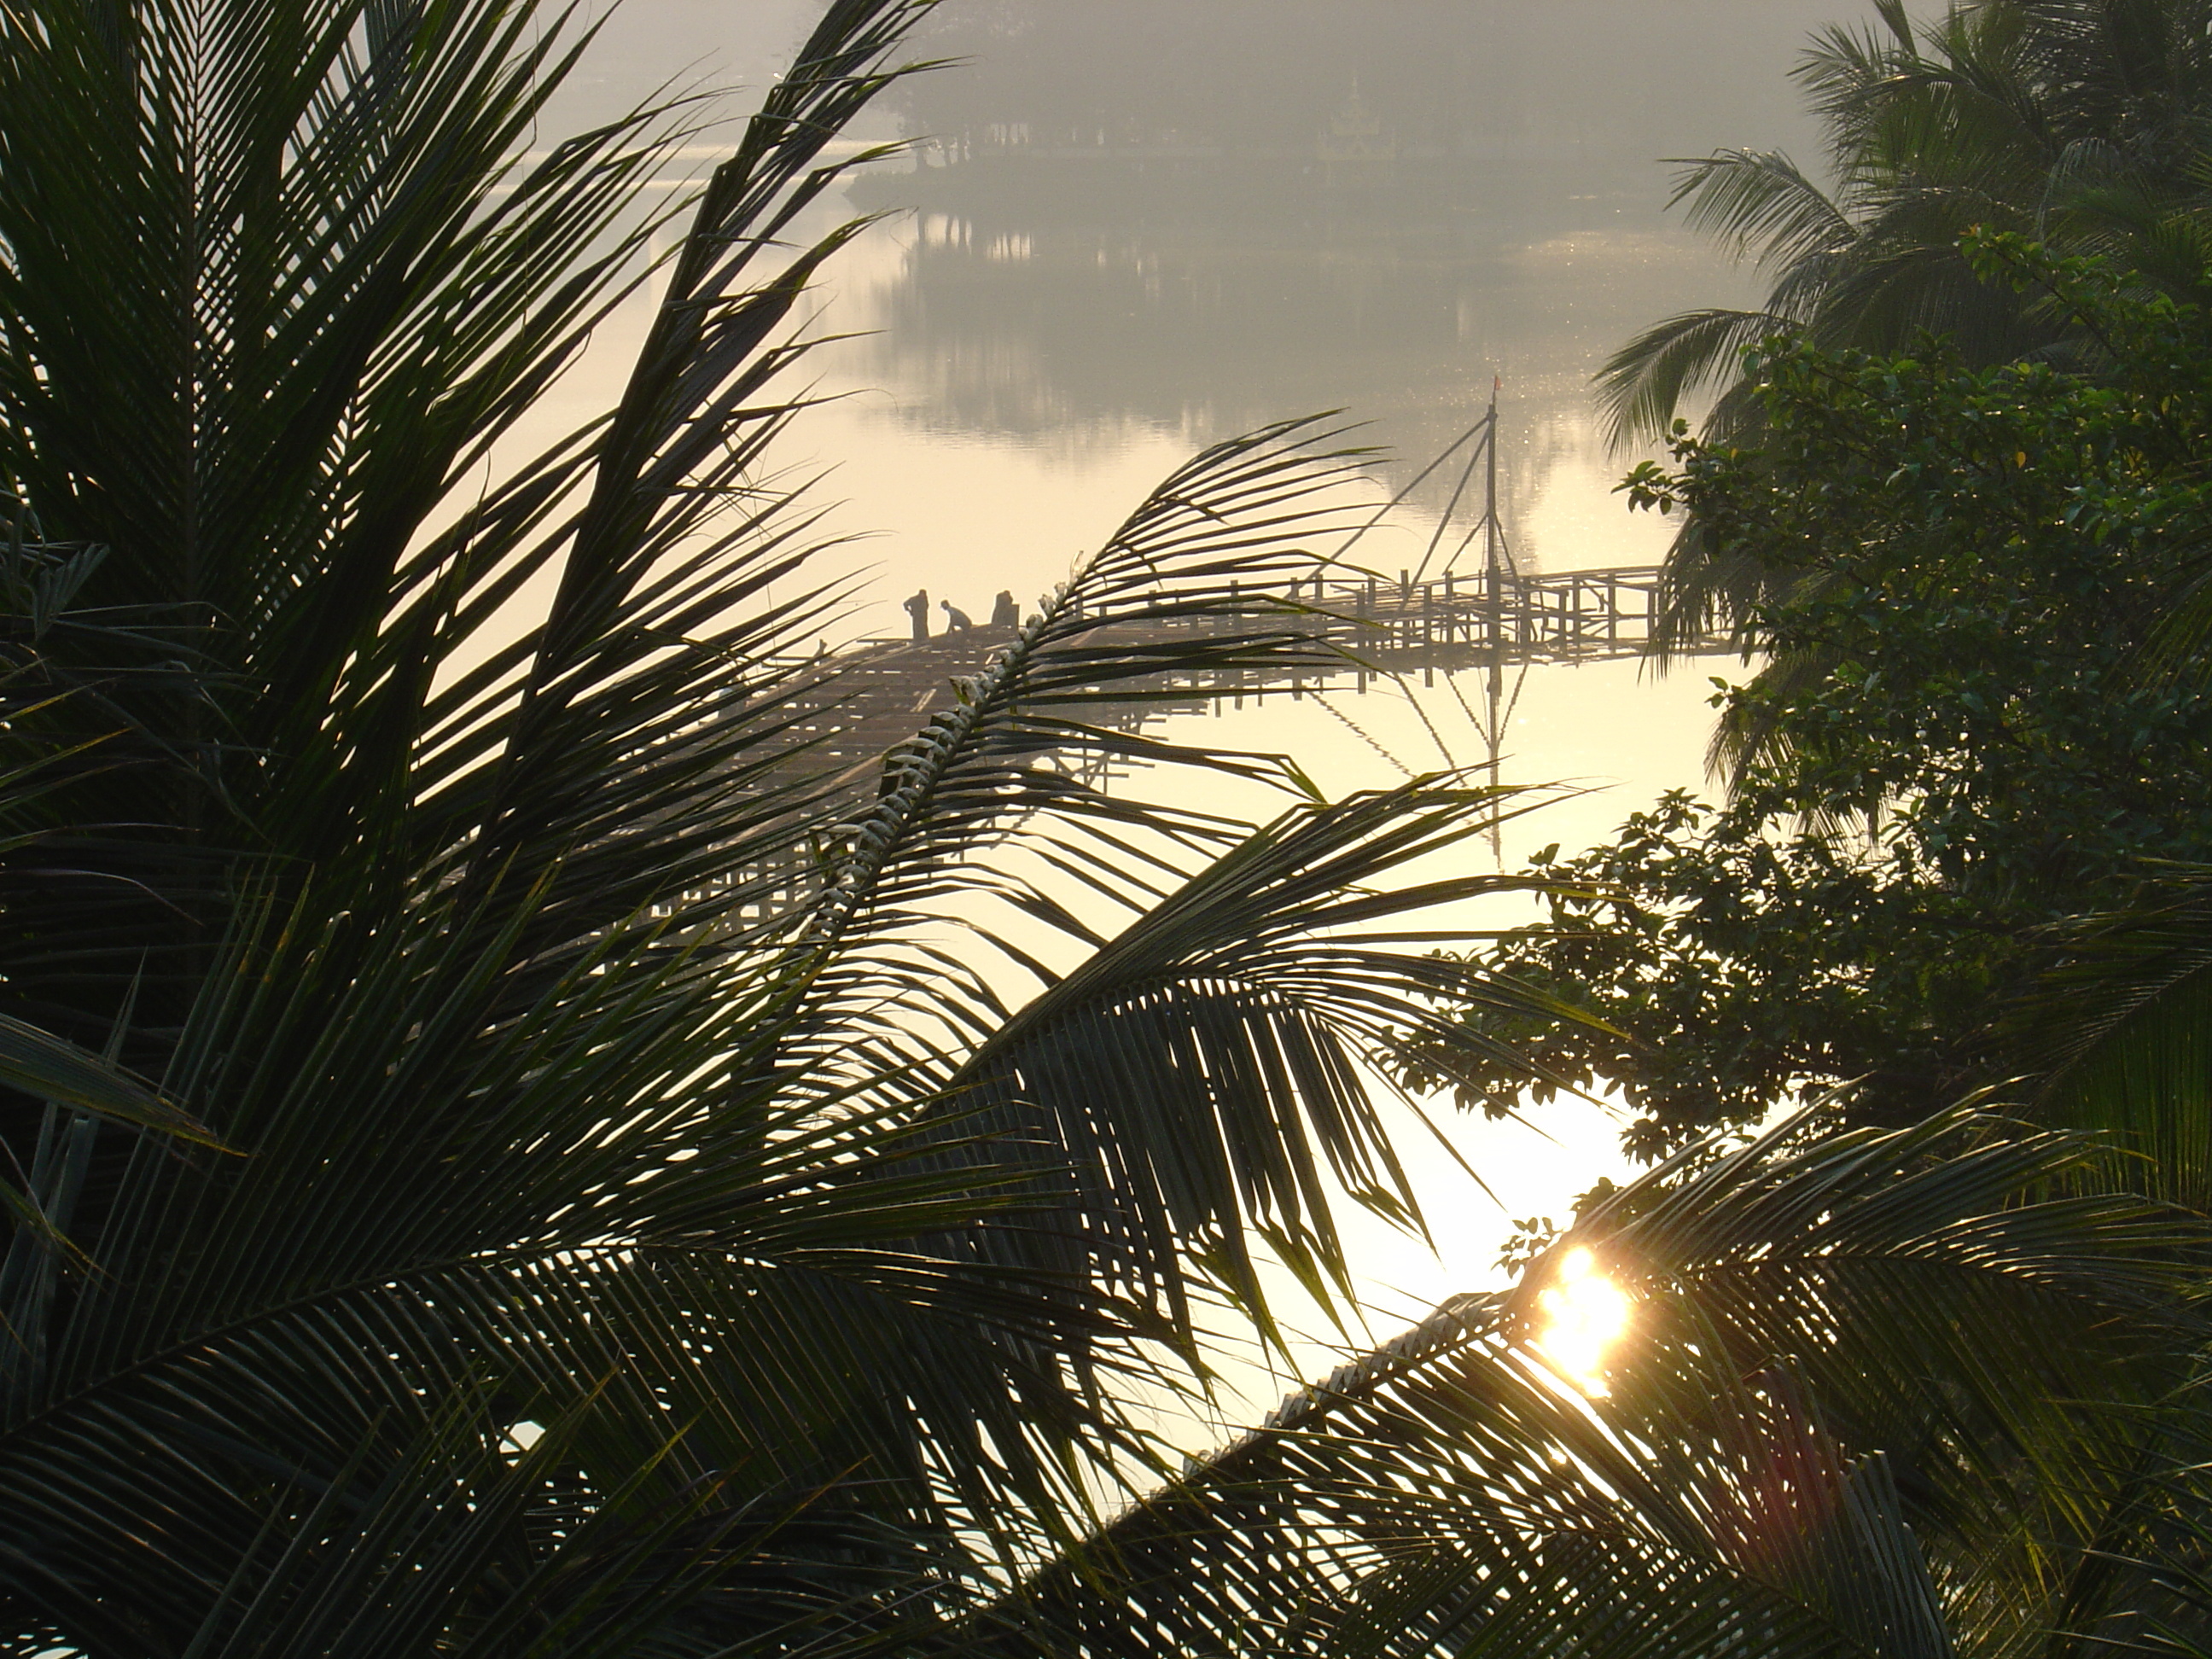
[[875, 693]]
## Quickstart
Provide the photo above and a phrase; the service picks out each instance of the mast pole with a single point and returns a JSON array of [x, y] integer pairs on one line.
[[1492, 543], [1494, 574]]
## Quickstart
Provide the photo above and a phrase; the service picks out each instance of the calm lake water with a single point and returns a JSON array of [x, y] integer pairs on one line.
[[1131, 227]]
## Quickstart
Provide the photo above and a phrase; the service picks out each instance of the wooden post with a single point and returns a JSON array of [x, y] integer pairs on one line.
[[1428, 633], [1495, 579]]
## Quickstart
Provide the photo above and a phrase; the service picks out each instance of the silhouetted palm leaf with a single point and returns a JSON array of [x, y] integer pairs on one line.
[[1857, 1366], [811, 1157], [2117, 1032]]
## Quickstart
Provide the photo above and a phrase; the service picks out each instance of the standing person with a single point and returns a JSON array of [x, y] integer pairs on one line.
[[1005, 613], [918, 608], [956, 621]]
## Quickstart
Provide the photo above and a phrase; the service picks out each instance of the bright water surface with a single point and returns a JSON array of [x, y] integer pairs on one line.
[[1123, 242]]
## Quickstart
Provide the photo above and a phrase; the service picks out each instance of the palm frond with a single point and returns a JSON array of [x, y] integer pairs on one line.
[[1760, 201], [1809, 1318], [1643, 385], [2117, 1031]]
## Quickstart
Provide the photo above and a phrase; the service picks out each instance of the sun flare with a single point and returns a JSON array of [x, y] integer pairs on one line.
[[1586, 1314]]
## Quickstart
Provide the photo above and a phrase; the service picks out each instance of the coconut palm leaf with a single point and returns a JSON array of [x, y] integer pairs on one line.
[[1817, 1327], [603, 1058], [1202, 915], [2115, 1031], [1760, 204], [78, 1091], [602, 1225], [1643, 384], [39, 1063]]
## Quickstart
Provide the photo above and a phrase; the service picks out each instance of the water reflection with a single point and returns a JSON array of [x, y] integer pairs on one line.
[[1197, 219], [1008, 324]]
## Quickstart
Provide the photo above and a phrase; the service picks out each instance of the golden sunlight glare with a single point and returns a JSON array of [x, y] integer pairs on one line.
[[1587, 1312]]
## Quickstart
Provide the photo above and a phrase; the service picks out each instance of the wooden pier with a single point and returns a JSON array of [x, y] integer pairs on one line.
[[873, 695]]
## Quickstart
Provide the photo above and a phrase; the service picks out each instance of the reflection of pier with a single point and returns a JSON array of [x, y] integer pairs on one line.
[[860, 704]]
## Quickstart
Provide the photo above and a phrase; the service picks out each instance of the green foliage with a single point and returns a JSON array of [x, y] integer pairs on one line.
[[2079, 121], [1956, 743], [1731, 968]]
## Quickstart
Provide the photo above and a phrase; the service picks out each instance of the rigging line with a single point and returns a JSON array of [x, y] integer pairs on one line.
[[1465, 541], [1435, 735], [1496, 762], [1398, 500], [1514, 701], [1505, 542], [1364, 736], [1451, 685], [1505, 719], [1466, 477]]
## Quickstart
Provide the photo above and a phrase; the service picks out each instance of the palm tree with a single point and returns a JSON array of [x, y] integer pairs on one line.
[[2034, 116], [592, 1178], [2081, 122]]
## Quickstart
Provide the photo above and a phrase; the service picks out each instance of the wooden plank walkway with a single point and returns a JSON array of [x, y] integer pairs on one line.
[[875, 693]]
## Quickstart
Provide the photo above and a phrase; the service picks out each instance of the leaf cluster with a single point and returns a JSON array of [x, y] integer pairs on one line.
[[1960, 737]]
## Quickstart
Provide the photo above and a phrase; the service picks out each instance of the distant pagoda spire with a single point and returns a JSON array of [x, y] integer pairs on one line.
[[1355, 147]]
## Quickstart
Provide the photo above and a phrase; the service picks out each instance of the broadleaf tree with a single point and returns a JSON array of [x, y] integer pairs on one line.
[[1961, 737]]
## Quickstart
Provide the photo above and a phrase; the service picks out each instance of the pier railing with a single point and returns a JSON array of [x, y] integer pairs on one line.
[[878, 691]]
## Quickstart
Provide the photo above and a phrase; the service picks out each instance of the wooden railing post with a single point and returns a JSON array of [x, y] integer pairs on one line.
[[1429, 633]]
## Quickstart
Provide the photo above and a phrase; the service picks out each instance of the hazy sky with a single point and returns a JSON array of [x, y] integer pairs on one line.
[[1669, 77]]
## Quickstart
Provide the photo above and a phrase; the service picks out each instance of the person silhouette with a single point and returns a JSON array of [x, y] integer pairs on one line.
[[1005, 613], [918, 608], [956, 621]]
